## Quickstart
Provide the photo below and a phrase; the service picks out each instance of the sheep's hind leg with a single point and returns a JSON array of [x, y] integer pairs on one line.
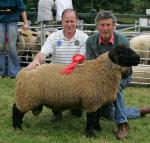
[[91, 118], [17, 117]]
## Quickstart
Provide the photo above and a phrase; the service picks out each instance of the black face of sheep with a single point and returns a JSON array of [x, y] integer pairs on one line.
[[124, 57]]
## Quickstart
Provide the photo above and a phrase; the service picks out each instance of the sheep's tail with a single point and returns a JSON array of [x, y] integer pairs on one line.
[[36, 111]]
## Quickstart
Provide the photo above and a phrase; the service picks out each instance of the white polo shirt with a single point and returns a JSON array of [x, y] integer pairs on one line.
[[61, 49]]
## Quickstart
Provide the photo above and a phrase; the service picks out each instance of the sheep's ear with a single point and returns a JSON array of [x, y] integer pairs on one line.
[[34, 34], [113, 56]]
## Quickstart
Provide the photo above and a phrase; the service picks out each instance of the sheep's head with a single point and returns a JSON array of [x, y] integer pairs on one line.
[[28, 39], [123, 56]]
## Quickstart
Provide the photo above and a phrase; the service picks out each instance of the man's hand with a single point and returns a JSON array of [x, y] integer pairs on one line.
[[33, 65], [25, 26]]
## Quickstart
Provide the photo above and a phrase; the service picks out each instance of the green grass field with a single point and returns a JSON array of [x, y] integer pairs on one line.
[[70, 130]]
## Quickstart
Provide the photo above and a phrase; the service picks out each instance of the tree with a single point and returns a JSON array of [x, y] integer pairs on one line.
[[117, 6], [140, 6], [31, 4]]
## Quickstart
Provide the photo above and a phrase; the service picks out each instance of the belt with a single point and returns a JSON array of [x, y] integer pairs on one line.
[[7, 10]]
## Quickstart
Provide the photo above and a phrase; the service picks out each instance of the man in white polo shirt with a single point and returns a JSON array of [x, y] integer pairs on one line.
[[62, 45]]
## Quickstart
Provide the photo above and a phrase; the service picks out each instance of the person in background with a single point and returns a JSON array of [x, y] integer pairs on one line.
[[60, 6], [62, 45], [10, 11], [45, 14], [105, 39]]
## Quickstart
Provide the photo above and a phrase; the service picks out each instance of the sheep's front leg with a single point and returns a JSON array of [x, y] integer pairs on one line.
[[91, 118], [97, 126], [17, 117]]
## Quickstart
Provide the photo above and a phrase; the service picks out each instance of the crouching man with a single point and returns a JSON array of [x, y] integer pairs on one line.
[[102, 41]]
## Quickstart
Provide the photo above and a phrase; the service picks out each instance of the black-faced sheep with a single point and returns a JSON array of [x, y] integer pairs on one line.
[[91, 85], [141, 44]]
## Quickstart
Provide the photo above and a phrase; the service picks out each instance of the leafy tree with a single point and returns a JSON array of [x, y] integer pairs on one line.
[[140, 6], [118, 6], [31, 4], [89, 6], [82, 5]]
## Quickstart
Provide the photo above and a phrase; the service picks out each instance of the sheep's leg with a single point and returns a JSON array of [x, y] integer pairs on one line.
[[97, 126], [91, 117], [17, 117], [57, 115]]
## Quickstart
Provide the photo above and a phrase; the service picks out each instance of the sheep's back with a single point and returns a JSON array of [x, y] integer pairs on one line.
[[141, 42]]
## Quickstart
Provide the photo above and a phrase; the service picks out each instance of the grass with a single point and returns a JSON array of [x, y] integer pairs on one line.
[[70, 130]]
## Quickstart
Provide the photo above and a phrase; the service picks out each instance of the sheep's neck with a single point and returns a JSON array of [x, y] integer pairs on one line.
[[105, 62], [107, 69]]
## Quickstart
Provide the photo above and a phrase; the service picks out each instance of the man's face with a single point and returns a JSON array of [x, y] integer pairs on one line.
[[69, 22], [106, 28]]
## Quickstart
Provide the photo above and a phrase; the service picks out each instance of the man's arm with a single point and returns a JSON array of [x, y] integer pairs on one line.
[[25, 21]]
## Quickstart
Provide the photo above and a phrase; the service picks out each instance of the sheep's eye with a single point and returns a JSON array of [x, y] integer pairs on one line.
[[34, 35], [23, 34]]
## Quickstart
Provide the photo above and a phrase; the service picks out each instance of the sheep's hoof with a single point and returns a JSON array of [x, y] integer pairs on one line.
[[18, 128], [57, 118], [90, 134], [97, 128]]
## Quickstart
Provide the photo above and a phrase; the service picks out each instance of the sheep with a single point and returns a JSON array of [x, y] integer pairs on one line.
[[141, 43], [141, 74], [91, 85], [28, 43], [27, 39]]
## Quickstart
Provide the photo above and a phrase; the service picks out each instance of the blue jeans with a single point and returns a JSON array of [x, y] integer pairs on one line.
[[9, 61], [117, 110]]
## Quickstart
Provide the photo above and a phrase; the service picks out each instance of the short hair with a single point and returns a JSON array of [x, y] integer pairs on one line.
[[69, 10], [105, 15]]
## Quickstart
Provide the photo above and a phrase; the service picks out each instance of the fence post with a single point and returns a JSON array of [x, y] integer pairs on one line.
[[80, 25]]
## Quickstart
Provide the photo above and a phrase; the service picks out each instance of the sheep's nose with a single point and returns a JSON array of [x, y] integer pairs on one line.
[[136, 59]]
